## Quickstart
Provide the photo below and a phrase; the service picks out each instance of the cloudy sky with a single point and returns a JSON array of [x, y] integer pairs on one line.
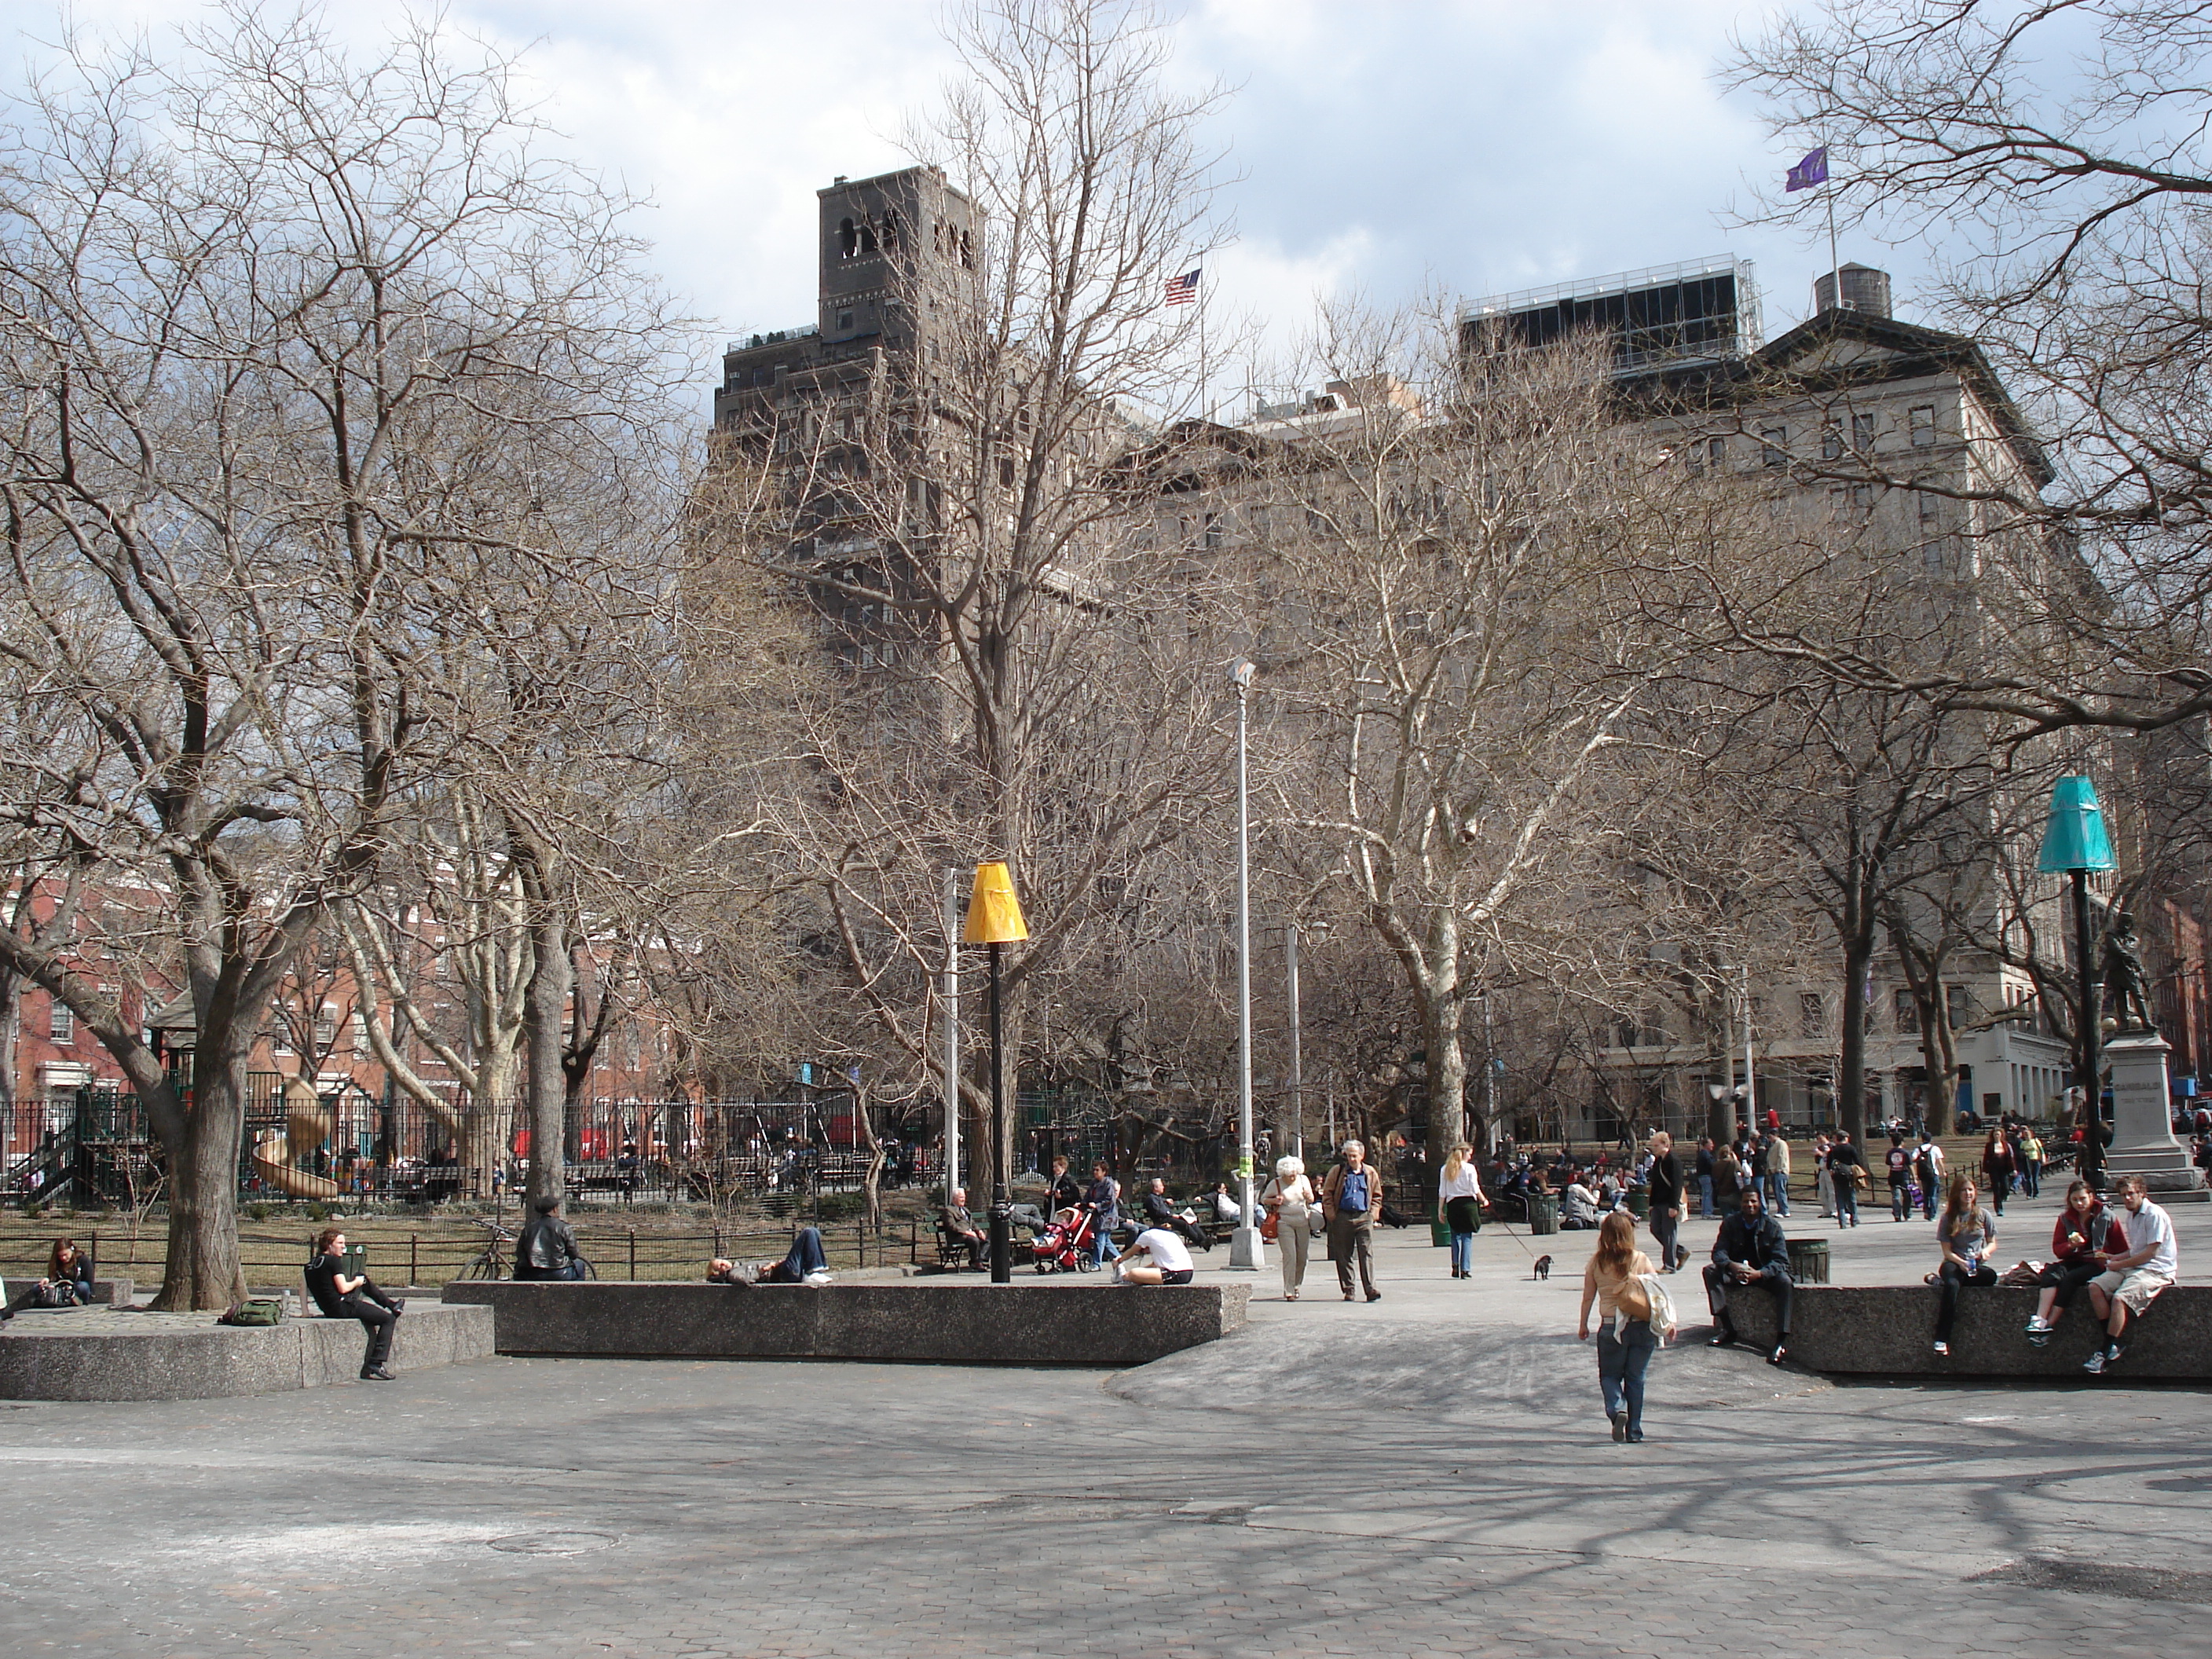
[[1381, 146]]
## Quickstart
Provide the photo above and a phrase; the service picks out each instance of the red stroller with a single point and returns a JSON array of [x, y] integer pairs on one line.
[[1068, 1243]]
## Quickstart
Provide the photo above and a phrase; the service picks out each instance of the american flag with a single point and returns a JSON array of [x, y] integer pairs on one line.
[[1183, 289]]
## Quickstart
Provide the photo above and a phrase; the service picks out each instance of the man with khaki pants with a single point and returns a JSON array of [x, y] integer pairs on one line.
[[1351, 1198]]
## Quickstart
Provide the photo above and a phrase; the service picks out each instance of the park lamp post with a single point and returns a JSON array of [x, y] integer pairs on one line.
[[2074, 844], [1245, 1250], [994, 918]]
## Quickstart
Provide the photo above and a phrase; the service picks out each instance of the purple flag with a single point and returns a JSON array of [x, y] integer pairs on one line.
[[1813, 170]]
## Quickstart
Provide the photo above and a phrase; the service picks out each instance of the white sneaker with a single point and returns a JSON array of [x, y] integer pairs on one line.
[[818, 1277], [1943, 1350], [2038, 1325]]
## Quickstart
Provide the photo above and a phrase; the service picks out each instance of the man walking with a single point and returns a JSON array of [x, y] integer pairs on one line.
[[1750, 1249], [1666, 1190], [1928, 1165], [1351, 1198], [1705, 1173], [1778, 1171], [1899, 1162], [1843, 1166]]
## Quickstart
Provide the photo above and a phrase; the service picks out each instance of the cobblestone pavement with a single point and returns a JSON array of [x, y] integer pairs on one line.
[[1434, 1478]]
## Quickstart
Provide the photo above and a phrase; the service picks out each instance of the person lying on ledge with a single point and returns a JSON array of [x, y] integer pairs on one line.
[[1166, 1260], [804, 1263]]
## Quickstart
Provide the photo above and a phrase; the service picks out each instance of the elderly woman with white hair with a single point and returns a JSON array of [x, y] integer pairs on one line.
[[1289, 1199]]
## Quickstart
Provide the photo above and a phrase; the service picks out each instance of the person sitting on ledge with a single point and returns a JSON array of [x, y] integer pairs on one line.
[[1965, 1234], [68, 1283], [1166, 1260], [1750, 1249], [2132, 1281], [804, 1263], [2082, 1242], [547, 1249], [960, 1229], [341, 1296]]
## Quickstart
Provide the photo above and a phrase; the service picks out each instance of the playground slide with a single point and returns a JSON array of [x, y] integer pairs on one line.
[[308, 1121], [272, 1162]]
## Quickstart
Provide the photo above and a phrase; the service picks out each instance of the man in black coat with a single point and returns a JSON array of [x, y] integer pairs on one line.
[[1666, 1188], [1750, 1249], [547, 1249]]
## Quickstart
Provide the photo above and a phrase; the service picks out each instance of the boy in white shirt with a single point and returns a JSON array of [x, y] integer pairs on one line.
[[2132, 1282], [1167, 1261]]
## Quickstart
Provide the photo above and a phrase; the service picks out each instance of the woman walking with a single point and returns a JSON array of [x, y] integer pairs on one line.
[[1997, 1167], [1623, 1345], [1289, 1200], [1965, 1234], [1459, 1208]]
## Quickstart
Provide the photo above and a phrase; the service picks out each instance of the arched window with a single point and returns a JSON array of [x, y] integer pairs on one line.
[[848, 238], [967, 252]]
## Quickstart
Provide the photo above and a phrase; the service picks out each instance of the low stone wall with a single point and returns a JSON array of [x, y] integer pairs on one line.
[[106, 1292], [971, 1324], [1889, 1330], [95, 1354]]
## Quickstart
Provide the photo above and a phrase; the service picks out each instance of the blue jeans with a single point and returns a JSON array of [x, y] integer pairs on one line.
[[1105, 1240], [1847, 1199], [1462, 1251], [1620, 1365], [1777, 1191], [1705, 1196]]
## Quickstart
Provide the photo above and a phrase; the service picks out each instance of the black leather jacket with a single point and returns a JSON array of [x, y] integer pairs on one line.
[[1755, 1243], [546, 1242]]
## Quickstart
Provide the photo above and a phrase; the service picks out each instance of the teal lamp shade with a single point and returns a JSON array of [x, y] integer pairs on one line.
[[2075, 837]]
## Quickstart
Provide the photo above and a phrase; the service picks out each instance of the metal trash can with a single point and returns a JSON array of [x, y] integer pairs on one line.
[[1439, 1235], [1543, 1215], [1639, 1203], [1808, 1261]]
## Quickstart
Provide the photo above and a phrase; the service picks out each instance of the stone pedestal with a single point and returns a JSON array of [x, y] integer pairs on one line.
[[2143, 1142]]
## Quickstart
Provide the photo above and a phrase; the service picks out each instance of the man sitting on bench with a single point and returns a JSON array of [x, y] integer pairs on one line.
[[959, 1231]]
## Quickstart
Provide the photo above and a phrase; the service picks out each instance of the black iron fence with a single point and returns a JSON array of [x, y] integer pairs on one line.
[[95, 1150]]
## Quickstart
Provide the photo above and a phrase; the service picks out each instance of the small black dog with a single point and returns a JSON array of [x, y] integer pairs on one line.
[[1543, 1267]]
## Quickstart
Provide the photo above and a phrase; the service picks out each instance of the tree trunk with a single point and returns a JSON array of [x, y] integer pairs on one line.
[[544, 1012], [488, 1123], [870, 1183], [1447, 1079], [203, 1271], [1851, 1071]]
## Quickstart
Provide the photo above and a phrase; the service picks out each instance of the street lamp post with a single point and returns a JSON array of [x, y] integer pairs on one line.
[[1245, 1250], [994, 918], [1295, 1135], [2075, 842]]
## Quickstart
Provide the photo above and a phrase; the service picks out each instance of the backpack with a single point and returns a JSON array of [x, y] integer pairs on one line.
[[254, 1310]]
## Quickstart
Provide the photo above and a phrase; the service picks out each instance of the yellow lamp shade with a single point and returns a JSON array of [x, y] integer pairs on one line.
[[994, 914]]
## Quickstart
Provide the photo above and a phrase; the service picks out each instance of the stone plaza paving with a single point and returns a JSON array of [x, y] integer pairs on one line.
[[1428, 1475]]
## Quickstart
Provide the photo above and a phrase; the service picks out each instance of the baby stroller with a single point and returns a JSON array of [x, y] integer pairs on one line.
[[1068, 1243]]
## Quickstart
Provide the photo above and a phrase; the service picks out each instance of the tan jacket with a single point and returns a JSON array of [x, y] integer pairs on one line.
[[1330, 1187]]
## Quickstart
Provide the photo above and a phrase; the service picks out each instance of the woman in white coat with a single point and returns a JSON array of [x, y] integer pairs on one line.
[[1290, 1199]]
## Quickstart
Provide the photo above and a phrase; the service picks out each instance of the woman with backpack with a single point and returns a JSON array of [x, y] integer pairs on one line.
[[1612, 1279]]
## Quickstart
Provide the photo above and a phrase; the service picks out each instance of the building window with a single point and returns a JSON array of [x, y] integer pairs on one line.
[[1907, 1014], [1811, 1014], [326, 1027], [844, 320], [1774, 447], [848, 239], [1921, 422], [1958, 1006], [1212, 533], [1863, 434], [1862, 494], [1932, 560], [1931, 508], [61, 1023], [1716, 451], [360, 1023], [1832, 440]]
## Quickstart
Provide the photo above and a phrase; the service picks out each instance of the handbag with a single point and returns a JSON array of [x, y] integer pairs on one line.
[[1272, 1228]]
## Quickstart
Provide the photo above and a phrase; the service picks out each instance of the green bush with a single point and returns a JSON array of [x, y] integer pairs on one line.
[[256, 1211], [841, 1206]]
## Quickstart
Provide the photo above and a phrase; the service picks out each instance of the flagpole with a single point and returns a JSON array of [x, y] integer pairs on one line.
[[1204, 381], [1835, 265]]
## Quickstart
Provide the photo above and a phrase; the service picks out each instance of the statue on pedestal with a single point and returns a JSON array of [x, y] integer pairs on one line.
[[2127, 988]]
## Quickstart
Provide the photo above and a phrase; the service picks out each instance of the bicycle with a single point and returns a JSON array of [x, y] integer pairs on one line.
[[491, 1261]]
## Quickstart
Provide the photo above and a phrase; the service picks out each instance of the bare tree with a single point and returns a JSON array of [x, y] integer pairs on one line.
[[2055, 155], [955, 509], [248, 297], [1471, 668]]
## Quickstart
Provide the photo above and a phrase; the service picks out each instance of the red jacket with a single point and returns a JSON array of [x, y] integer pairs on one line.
[[2070, 1233]]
